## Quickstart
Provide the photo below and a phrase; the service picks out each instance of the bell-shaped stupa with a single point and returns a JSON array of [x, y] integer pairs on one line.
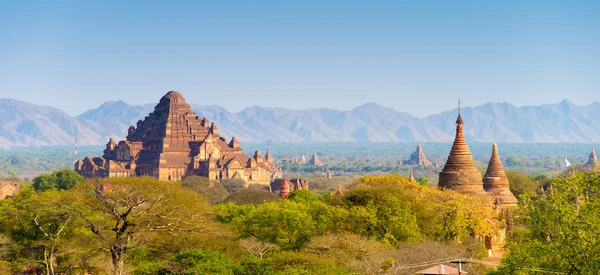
[[460, 173], [495, 182]]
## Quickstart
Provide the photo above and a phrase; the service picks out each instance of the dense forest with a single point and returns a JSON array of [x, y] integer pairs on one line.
[[63, 224]]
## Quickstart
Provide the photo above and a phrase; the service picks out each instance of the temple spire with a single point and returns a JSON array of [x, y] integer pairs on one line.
[[284, 190], [268, 156], [410, 176], [593, 159], [460, 173], [459, 118], [495, 182], [339, 192]]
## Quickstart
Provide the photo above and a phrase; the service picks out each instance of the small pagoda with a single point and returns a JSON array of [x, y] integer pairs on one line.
[[495, 182]]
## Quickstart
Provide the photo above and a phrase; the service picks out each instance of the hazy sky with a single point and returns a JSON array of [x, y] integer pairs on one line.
[[413, 56]]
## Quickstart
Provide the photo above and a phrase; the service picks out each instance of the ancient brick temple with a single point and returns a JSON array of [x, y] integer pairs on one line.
[[314, 161], [418, 158], [9, 189], [460, 173], [592, 160], [171, 143], [495, 182]]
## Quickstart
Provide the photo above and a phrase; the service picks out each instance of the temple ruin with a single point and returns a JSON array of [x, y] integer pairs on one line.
[[460, 173], [418, 158], [496, 184], [592, 160], [173, 142]]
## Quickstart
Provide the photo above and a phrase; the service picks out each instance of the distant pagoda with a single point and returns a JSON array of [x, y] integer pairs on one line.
[[314, 161], [284, 189], [460, 173], [410, 176], [418, 158], [495, 182], [593, 160]]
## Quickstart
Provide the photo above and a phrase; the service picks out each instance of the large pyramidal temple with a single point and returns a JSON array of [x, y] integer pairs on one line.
[[460, 173], [418, 158], [171, 143]]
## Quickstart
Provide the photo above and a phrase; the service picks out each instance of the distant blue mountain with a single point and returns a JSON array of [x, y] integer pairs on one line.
[[22, 123]]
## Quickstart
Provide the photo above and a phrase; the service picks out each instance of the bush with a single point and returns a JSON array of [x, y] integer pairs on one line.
[[212, 190], [233, 185], [247, 196], [62, 180]]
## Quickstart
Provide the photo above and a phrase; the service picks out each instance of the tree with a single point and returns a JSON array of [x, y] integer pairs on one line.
[[67, 179], [63, 179], [561, 228], [521, 183], [246, 196], [45, 182], [512, 161], [256, 248], [192, 262], [42, 229], [233, 185], [126, 213], [213, 191], [283, 222], [423, 181]]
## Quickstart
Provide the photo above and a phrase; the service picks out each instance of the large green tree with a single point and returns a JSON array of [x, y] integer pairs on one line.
[[44, 233], [59, 180], [561, 229], [127, 213]]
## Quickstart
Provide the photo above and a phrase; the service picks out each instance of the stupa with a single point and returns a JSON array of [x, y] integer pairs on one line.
[[593, 159], [460, 173], [495, 182]]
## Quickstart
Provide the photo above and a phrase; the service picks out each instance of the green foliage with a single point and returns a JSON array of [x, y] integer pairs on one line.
[[44, 232], [521, 183], [422, 181], [561, 228], [290, 262], [214, 191], [251, 196], [233, 185], [378, 212], [156, 227], [123, 213], [512, 161], [45, 182], [59, 180], [441, 215], [285, 223], [254, 266], [198, 262], [387, 208]]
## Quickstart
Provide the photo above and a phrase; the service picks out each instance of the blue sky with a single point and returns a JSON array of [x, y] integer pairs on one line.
[[414, 56]]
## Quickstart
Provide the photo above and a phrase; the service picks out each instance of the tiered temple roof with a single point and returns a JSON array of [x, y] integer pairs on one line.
[[173, 142], [418, 158], [314, 161], [495, 182], [340, 191], [593, 159], [460, 173], [285, 188]]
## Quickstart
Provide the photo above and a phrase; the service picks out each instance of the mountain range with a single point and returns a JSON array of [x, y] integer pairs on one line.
[[26, 124]]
